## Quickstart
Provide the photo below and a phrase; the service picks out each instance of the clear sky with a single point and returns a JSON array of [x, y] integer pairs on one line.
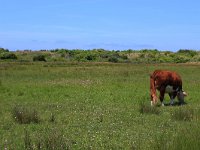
[[109, 24]]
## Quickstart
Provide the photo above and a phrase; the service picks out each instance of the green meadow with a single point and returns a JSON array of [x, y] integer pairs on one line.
[[66, 105]]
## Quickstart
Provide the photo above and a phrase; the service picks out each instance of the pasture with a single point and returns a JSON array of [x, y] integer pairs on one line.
[[57, 105]]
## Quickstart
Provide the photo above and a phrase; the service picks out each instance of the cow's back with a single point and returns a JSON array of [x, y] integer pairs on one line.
[[165, 78]]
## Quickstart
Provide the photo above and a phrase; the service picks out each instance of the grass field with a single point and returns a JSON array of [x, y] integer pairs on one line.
[[94, 106]]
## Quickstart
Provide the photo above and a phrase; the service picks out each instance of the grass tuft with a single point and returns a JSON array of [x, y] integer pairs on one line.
[[52, 118], [184, 114], [27, 140], [23, 115], [52, 139], [147, 109]]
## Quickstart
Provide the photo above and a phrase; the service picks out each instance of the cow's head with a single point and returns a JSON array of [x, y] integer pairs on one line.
[[180, 95]]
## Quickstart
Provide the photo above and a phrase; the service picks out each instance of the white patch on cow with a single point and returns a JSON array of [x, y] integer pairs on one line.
[[184, 93], [169, 89], [151, 103]]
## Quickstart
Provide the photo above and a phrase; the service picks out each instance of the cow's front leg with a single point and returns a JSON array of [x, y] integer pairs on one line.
[[162, 94], [172, 97]]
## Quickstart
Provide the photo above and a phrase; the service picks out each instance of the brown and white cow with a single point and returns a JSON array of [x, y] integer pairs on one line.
[[166, 82]]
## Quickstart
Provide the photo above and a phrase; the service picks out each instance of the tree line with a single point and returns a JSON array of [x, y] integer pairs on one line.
[[102, 55]]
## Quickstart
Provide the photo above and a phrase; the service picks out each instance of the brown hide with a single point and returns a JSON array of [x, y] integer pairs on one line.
[[160, 79]]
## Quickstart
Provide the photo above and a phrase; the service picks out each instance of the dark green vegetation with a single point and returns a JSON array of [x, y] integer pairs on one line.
[[63, 105], [101, 55]]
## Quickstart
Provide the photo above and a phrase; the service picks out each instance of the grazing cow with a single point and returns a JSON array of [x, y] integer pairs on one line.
[[166, 82]]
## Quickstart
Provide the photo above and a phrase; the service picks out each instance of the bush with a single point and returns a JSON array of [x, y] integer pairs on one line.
[[90, 57], [39, 58], [191, 53], [181, 59], [2, 50], [80, 57], [113, 59], [125, 57], [196, 58], [8, 56]]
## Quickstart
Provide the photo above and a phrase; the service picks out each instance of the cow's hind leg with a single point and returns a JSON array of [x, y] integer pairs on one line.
[[162, 94]]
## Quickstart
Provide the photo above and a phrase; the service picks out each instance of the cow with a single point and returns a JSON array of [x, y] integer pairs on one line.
[[166, 81]]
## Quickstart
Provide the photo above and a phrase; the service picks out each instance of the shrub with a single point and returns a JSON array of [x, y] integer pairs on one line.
[[181, 59], [124, 56], [2, 50], [8, 56], [90, 57], [79, 57], [196, 58], [23, 115], [113, 59], [105, 55], [191, 53], [39, 58]]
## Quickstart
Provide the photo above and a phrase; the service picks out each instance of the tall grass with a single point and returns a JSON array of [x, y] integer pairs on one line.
[[185, 138], [51, 140], [185, 114], [148, 109]]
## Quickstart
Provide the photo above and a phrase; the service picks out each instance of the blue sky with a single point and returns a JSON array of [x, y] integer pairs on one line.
[[109, 24]]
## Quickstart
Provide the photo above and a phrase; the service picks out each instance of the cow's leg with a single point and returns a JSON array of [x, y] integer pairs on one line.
[[162, 93], [153, 91], [152, 103], [171, 98], [153, 99]]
